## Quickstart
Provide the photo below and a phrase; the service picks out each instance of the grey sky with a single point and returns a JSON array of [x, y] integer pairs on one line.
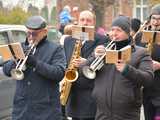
[[38, 3]]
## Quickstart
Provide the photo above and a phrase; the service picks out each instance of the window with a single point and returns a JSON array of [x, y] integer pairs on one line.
[[141, 9], [3, 38], [19, 36]]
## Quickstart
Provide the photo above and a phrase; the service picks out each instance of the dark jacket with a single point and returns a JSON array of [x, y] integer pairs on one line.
[[37, 95], [118, 95], [152, 93], [80, 103]]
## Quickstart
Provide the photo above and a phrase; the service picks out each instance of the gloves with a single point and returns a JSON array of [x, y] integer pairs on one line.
[[8, 66], [25, 47], [31, 61]]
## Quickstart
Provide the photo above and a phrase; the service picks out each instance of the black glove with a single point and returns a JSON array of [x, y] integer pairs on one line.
[[25, 47], [31, 61], [8, 66]]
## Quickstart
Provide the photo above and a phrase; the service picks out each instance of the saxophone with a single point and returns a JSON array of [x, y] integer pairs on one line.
[[71, 74]]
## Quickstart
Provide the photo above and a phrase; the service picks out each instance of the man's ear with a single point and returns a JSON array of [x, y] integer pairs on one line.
[[45, 32]]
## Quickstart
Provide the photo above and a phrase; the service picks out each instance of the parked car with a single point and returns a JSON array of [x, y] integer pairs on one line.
[[10, 34]]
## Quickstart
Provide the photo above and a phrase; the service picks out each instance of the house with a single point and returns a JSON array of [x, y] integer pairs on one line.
[[132, 8]]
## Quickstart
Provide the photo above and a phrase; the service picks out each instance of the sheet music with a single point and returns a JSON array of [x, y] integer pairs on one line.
[[83, 33], [148, 36], [6, 53]]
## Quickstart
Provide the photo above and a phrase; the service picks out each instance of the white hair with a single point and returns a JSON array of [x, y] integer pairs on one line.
[[67, 8]]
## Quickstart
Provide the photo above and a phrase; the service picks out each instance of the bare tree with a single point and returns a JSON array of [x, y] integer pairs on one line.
[[99, 8]]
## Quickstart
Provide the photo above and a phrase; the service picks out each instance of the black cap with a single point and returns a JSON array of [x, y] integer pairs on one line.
[[123, 22], [135, 24], [36, 22]]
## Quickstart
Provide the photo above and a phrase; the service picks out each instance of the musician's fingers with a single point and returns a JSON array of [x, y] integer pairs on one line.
[[120, 61], [100, 50]]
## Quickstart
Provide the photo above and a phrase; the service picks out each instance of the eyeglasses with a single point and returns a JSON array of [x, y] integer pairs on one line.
[[33, 33], [155, 18]]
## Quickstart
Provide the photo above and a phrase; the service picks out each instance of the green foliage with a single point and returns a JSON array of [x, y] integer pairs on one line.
[[15, 16]]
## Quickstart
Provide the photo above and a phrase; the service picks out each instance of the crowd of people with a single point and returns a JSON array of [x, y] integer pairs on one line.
[[118, 90]]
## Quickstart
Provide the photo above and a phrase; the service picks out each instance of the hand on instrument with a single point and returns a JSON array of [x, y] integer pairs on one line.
[[79, 62], [120, 65], [25, 47], [32, 60], [8, 66], [156, 65], [61, 84], [99, 51]]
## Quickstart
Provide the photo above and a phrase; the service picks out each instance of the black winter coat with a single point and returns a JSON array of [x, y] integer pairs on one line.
[[118, 95], [80, 103], [152, 93], [37, 95]]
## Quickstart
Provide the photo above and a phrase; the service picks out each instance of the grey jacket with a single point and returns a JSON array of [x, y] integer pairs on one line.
[[118, 95]]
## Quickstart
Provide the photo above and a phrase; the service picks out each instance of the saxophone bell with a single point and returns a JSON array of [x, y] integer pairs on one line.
[[71, 75]]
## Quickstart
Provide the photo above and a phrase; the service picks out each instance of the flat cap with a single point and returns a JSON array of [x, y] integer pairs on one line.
[[36, 22]]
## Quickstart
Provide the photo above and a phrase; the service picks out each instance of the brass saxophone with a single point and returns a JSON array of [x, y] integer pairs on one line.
[[71, 74]]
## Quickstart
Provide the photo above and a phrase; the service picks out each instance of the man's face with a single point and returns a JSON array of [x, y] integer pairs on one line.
[[155, 22], [117, 34], [34, 36], [86, 19]]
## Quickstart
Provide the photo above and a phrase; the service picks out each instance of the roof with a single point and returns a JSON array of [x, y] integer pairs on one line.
[[12, 27]]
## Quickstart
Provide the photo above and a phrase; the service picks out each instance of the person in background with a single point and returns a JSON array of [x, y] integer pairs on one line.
[[117, 87], [152, 94], [67, 33], [75, 14], [101, 30], [37, 94], [81, 105], [135, 25], [65, 18]]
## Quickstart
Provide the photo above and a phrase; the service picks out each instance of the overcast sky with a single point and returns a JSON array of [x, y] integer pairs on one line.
[[38, 3]]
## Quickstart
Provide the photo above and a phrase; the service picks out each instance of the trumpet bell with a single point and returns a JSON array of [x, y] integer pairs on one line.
[[17, 74], [71, 75], [88, 73]]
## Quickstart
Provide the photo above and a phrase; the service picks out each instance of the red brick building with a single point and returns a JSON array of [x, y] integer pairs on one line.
[[131, 8]]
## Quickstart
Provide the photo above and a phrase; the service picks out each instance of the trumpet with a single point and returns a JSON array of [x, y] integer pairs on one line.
[[17, 72], [90, 71]]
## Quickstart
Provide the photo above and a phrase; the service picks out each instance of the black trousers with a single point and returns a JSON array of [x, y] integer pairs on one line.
[[83, 118], [149, 110]]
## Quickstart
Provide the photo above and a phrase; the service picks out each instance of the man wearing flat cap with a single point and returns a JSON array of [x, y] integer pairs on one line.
[[152, 93], [117, 87], [37, 94]]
